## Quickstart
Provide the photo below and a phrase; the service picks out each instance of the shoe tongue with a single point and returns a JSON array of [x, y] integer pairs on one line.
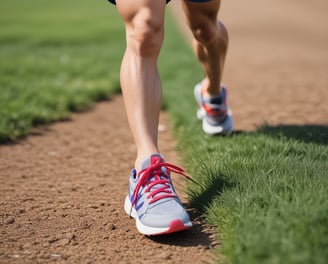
[[216, 99], [153, 159]]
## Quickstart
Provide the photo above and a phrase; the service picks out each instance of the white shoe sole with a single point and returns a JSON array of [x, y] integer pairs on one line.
[[175, 225], [224, 128]]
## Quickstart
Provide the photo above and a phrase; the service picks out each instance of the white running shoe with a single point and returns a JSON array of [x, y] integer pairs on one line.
[[152, 200], [214, 112]]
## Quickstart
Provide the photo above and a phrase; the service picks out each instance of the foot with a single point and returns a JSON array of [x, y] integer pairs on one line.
[[214, 112], [152, 200]]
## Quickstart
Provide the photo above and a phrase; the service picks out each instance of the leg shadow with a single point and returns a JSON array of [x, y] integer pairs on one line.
[[317, 134]]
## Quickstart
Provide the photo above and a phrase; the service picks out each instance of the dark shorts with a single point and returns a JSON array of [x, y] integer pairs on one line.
[[113, 1], [200, 1]]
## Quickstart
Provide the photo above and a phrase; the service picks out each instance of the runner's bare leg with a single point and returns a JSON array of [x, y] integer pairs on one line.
[[140, 81], [210, 41]]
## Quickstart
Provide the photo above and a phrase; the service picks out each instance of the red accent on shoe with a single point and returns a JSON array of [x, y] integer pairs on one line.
[[175, 226], [152, 176], [213, 112]]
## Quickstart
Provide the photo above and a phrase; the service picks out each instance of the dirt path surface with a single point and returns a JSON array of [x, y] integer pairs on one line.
[[62, 189]]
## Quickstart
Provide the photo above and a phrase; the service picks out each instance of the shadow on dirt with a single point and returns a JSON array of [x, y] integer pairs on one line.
[[198, 235]]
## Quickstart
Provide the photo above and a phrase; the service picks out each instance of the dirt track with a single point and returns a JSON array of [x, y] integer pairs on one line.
[[62, 189]]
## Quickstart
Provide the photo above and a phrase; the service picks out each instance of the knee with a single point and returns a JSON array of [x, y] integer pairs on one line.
[[210, 31], [146, 36]]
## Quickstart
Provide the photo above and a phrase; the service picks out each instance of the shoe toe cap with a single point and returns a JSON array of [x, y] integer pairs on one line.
[[162, 217]]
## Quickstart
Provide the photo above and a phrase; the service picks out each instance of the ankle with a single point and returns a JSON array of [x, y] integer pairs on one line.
[[141, 158], [208, 95], [210, 91]]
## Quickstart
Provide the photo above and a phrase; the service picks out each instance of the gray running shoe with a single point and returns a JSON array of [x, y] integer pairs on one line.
[[215, 113], [152, 200]]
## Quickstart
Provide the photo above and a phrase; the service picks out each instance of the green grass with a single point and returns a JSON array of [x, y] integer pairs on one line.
[[264, 191], [267, 195], [55, 57]]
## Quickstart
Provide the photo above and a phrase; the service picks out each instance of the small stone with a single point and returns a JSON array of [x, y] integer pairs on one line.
[[10, 220], [111, 227], [55, 255], [85, 225], [64, 242], [92, 206], [21, 211], [165, 256], [70, 236], [53, 240]]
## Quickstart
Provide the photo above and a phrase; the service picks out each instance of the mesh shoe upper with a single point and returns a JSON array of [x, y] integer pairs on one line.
[[152, 194]]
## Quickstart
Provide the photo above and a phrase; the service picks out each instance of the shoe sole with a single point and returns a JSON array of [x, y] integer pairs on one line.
[[174, 226], [224, 128]]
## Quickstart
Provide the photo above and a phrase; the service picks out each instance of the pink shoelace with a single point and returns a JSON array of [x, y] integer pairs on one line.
[[159, 178]]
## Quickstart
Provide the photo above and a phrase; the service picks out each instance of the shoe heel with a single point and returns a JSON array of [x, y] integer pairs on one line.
[[128, 208]]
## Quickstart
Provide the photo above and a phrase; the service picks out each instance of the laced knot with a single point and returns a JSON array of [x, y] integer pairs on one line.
[[156, 180]]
